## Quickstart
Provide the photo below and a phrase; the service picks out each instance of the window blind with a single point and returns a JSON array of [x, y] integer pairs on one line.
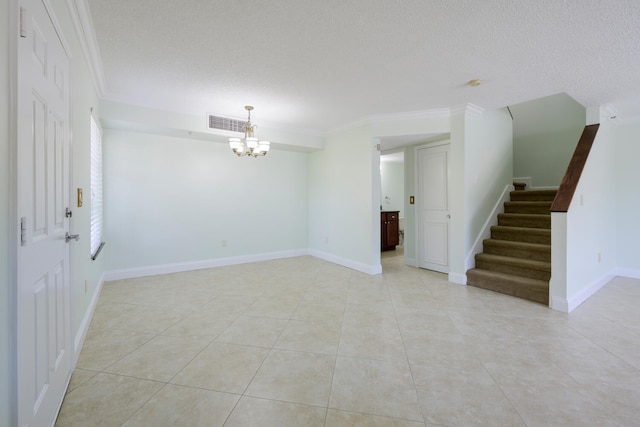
[[96, 189]]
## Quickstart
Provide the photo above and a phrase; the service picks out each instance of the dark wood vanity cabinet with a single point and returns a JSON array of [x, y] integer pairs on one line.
[[389, 230]]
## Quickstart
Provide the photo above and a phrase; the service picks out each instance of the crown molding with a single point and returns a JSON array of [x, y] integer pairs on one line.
[[81, 17], [467, 109], [353, 125], [440, 113]]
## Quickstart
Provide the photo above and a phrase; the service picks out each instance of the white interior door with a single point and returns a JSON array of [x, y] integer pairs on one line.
[[43, 173], [433, 208]]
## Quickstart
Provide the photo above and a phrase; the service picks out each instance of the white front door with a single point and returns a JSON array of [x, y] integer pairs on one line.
[[433, 208], [43, 277]]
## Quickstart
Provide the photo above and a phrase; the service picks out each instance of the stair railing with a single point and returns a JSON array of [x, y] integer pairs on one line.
[[574, 170]]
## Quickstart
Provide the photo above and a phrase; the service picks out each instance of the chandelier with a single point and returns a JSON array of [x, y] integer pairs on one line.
[[249, 145]]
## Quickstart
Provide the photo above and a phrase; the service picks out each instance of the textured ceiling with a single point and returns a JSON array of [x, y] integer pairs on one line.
[[319, 65]]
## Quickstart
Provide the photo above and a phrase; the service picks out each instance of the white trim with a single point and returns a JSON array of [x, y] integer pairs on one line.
[[14, 19], [485, 232], [395, 117], [411, 262], [58, 28], [548, 187], [459, 278], [527, 180], [354, 265], [467, 109], [559, 304], [568, 305], [86, 321], [81, 17], [153, 270], [441, 113], [632, 273]]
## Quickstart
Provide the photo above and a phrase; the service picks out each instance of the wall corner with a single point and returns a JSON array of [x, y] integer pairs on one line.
[[592, 115]]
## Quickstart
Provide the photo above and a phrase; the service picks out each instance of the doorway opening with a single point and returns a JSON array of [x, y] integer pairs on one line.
[[392, 204]]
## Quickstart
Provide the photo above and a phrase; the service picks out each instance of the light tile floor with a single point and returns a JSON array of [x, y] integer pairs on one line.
[[302, 342]]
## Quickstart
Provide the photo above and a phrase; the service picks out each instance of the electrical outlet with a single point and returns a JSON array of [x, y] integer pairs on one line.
[[224, 243], [86, 286], [599, 257], [326, 240]]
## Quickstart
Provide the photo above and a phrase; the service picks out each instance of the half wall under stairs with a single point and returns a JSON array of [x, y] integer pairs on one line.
[[516, 260]]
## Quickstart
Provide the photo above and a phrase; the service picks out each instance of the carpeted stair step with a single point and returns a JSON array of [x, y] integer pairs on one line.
[[533, 195], [519, 186], [520, 234], [521, 287], [534, 251], [540, 207], [525, 220], [533, 269]]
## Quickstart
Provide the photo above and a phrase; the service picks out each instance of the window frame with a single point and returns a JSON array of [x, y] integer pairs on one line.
[[96, 190]]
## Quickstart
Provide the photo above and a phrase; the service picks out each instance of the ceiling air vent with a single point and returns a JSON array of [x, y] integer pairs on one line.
[[225, 123]]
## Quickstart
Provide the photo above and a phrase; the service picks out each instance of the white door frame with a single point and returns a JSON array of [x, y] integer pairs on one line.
[[14, 29], [14, 223], [416, 175]]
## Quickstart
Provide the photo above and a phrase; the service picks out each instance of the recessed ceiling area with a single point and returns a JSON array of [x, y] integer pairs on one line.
[[318, 66]]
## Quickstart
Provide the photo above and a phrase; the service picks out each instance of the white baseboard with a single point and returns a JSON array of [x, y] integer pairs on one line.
[[527, 180], [559, 304], [86, 321], [411, 262], [627, 272], [354, 265], [485, 232], [153, 270], [459, 278], [565, 305]]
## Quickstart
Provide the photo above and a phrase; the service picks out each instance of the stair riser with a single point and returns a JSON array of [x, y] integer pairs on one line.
[[542, 209], [531, 293], [518, 253], [515, 270], [521, 236], [514, 221], [533, 196]]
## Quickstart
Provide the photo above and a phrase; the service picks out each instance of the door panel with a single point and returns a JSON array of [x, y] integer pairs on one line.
[[43, 279], [433, 208]]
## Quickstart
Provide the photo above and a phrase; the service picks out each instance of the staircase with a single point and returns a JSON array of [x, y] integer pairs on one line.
[[517, 258]]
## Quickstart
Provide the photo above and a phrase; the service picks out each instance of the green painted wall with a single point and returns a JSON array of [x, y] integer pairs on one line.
[[341, 199], [627, 196], [545, 134], [392, 179], [176, 200]]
